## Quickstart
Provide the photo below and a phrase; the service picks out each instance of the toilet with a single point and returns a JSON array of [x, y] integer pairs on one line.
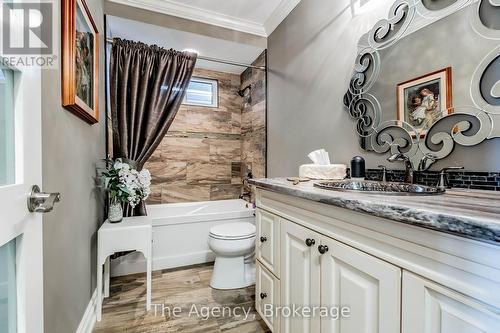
[[233, 245]]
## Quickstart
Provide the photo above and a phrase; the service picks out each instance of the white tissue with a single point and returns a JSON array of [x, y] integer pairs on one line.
[[319, 157], [326, 157]]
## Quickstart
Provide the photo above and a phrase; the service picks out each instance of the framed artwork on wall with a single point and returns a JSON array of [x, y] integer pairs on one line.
[[425, 99], [80, 61]]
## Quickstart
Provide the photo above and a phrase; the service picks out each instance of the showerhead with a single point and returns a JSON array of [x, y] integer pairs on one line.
[[242, 91]]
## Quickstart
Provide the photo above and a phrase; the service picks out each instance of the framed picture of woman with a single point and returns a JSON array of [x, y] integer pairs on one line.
[[80, 61], [424, 100]]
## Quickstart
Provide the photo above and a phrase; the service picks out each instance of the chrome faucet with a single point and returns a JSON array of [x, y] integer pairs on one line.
[[409, 172], [384, 173], [410, 175], [443, 182], [422, 166]]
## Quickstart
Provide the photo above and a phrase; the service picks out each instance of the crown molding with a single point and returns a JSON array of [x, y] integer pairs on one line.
[[197, 14], [211, 17], [279, 14]]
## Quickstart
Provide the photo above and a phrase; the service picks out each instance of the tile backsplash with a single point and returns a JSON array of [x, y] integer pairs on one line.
[[473, 180]]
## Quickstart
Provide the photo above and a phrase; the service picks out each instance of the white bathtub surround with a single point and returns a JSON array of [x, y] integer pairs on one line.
[[180, 233], [234, 246]]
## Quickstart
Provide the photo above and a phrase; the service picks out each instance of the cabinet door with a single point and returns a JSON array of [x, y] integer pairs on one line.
[[370, 287], [267, 290], [300, 278], [268, 241], [431, 308]]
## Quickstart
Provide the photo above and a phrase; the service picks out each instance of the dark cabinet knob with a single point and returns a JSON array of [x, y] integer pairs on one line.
[[310, 242], [263, 295], [263, 239], [323, 249]]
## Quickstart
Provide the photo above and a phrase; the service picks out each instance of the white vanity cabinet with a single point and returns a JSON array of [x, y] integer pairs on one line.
[[300, 275], [431, 308], [370, 287], [267, 250], [340, 276], [268, 241], [267, 289], [394, 278]]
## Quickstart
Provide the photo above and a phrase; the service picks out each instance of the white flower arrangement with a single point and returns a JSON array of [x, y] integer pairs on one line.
[[126, 184]]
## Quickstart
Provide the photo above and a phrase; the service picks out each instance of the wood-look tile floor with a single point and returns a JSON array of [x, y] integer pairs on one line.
[[125, 310]]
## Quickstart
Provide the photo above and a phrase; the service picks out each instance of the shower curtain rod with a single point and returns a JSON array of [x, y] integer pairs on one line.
[[221, 61]]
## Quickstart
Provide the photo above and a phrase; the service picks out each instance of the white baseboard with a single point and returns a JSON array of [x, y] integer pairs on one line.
[[135, 263], [89, 318]]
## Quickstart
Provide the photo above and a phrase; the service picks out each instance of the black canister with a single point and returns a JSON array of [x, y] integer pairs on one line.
[[358, 167]]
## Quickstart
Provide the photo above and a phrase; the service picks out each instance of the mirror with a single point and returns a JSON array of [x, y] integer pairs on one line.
[[428, 78]]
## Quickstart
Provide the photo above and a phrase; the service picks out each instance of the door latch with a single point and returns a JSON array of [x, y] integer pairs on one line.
[[41, 202]]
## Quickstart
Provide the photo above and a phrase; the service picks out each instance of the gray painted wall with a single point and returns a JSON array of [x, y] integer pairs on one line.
[[310, 58], [70, 150]]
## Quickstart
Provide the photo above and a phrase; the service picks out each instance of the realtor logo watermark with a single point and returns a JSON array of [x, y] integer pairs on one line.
[[27, 36], [248, 313]]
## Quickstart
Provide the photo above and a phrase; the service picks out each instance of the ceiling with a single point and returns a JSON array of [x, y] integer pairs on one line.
[[256, 17], [181, 40]]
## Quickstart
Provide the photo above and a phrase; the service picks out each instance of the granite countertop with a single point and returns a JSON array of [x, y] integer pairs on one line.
[[473, 214]]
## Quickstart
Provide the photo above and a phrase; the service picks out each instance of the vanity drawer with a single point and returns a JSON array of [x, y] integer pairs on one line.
[[268, 240], [267, 292]]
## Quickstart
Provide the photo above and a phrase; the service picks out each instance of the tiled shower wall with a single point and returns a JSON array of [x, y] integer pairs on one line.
[[200, 158], [253, 119]]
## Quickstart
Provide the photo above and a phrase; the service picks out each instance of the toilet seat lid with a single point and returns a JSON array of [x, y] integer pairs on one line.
[[236, 230]]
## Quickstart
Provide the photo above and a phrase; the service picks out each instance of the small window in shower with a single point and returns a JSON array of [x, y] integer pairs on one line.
[[202, 92]]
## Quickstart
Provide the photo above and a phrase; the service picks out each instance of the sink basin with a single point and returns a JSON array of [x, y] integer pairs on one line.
[[379, 187]]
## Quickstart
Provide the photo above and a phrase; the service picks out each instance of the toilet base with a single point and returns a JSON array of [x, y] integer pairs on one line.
[[233, 273]]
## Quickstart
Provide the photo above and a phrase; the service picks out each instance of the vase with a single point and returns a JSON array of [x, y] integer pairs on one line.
[[115, 213]]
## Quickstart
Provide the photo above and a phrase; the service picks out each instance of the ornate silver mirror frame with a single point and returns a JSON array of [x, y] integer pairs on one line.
[[468, 125]]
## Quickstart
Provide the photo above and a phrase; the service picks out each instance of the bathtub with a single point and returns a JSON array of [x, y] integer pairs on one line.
[[180, 233]]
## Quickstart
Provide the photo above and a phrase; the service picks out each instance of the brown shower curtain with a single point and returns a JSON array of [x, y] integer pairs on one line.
[[147, 85]]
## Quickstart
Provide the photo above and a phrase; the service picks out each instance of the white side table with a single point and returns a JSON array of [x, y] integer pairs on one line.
[[133, 233]]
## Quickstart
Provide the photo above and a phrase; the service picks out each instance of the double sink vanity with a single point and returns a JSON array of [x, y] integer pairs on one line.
[[400, 263]]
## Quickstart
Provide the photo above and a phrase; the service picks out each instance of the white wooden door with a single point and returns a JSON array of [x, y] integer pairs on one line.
[[21, 264], [431, 308], [300, 276], [370, 287]]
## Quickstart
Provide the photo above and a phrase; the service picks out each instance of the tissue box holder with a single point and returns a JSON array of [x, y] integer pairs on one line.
[[315, 171]]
